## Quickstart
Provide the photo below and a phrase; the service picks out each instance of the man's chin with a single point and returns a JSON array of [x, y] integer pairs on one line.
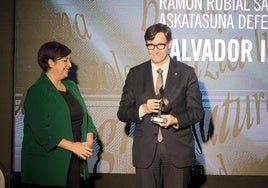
[[159, 60]]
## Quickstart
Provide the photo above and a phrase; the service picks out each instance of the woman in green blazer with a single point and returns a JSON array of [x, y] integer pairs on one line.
[[58, 131]]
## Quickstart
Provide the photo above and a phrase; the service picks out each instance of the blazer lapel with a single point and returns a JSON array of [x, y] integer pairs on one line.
[[148, 83], [172, 79]]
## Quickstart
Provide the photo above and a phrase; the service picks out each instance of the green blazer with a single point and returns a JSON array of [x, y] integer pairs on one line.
[[47, 121]]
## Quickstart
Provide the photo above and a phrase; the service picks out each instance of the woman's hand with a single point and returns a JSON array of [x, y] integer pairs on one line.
[[82, 150]]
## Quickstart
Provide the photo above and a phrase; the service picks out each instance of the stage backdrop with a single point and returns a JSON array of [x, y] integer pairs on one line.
[[225, 41]]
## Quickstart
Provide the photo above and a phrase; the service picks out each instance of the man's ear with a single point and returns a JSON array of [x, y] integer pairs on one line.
[[169, 44]]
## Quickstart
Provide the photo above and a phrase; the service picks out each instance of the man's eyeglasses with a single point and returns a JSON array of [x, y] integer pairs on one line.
[[159, 46]]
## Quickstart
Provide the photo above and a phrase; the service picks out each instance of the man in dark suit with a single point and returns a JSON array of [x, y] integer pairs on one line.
[[163, 148]]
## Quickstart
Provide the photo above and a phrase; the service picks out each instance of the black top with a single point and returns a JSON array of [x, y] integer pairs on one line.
[[76, 114]]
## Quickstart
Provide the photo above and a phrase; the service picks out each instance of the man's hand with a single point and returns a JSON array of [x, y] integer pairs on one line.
[[171, 120], [151, 106]]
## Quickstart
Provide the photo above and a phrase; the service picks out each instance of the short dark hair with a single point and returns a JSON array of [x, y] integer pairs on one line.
[[157, 28], [51, 50]]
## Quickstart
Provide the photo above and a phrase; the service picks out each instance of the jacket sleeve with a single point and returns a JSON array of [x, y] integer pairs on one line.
[[193, 111], [90, 125], [37, 119], [128, 109]]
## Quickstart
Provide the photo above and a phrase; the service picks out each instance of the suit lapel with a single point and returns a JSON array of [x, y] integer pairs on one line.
[[172, 79], [148, 81]]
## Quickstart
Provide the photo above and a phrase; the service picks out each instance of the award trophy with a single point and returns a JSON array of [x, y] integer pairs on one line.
[[164, 107]]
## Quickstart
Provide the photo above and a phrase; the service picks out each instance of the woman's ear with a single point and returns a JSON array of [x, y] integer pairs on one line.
[[50, 63]]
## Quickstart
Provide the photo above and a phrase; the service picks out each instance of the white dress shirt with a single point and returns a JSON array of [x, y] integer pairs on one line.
[[155, 74]]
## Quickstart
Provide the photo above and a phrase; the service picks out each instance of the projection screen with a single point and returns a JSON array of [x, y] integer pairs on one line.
[[225, 41]]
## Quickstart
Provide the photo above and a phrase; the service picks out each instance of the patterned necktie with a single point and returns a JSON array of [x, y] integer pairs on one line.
[[159, 81], [159, 84]]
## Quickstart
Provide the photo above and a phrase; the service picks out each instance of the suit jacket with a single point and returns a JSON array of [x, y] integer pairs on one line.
[[182, 91], [47, 121]]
